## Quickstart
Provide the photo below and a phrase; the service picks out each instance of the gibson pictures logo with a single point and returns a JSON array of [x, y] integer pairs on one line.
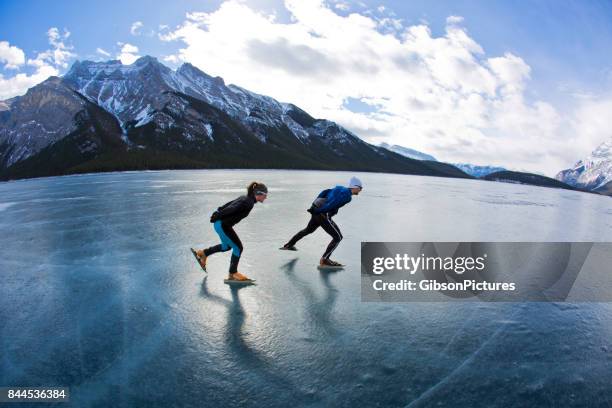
[[488, 271]]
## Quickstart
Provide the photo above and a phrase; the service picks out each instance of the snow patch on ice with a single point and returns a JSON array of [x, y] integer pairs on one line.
[[4, 206]]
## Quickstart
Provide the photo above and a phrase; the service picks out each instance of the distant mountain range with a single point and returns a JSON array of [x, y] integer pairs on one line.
[[471, 169], [477, 171], [104, 116], [517, 177]]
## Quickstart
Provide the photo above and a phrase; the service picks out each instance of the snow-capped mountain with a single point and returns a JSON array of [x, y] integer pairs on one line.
[[471, 169], [106, 116], [477, 171], [47, 114], [408, 152], [592, 172]]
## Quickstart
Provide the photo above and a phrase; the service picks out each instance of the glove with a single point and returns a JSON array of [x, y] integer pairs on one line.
[[215, 216], [311, 210]]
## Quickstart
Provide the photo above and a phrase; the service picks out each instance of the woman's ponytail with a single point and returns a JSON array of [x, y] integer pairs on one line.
[[256, 188], [251, 188]]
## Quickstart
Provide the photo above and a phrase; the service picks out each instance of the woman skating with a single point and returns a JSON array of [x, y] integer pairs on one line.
[[224, 218]]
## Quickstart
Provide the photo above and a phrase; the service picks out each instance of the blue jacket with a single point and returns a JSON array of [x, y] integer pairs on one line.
[[334, 199]]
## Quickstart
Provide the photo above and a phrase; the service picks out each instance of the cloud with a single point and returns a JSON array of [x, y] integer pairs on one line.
[[441, 94], [128, 53], [454, 20], [589, 125], [12, 57], [295, 59], [341, 5], [44, 64], [103, 52], [59, 54], [135, 28]]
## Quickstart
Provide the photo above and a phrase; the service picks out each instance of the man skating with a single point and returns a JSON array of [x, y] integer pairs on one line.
[[324, 207]]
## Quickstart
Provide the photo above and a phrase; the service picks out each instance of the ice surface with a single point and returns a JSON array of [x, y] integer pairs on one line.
[[101, 293]]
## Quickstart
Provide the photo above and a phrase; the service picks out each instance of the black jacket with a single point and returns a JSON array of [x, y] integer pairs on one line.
[[231, 213]]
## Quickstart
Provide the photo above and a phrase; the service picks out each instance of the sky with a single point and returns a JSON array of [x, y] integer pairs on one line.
[[525, 85]]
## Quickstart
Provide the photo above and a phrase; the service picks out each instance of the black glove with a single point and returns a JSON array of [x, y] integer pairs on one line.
[[215, 216], [311, 210]]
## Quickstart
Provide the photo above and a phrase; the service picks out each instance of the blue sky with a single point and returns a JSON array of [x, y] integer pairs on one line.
[[566, 46]]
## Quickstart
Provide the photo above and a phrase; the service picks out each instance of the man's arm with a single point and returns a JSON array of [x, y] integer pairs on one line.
[[336, 199]]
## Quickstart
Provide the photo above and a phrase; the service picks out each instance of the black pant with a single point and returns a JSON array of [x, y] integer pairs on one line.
[[324, 221], [229, 240]]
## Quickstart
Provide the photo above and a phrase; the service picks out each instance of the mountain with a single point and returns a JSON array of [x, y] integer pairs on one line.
[[592, 172], [52, 126], [477, 171], [408, 152], [103, 116], [528, 178], [471, 169]]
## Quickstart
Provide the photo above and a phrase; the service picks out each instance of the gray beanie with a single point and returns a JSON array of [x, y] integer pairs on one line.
[[355, 182]]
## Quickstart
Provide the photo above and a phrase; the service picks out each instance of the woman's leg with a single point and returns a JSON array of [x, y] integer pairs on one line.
[[222, 247], [230, 238], [313, 224]]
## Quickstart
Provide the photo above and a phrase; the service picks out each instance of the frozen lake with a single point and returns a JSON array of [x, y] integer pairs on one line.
[[101, 294]]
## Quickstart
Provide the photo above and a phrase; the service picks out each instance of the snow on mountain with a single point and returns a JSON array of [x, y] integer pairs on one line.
[[471, 169], [591, 172], [407, 152], [477, 171], [139, 91], [123, 90], [106, 115], [36, 120]]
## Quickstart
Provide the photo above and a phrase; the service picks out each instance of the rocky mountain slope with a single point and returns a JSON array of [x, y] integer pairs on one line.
[[592, 172], [104, 116]]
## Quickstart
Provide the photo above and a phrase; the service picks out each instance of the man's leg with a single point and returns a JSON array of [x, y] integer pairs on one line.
[[332, 229], [313, 224]]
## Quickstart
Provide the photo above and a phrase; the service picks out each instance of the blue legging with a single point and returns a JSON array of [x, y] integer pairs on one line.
[[229, 240]]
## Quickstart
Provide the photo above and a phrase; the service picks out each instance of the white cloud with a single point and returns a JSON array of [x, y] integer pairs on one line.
[[135, 28], [173, 59], [58, 55], [45, 64], [440, 94], [589, 125], [103, 52], [454, 20], [341, 5], [128, 53], [12, 57]]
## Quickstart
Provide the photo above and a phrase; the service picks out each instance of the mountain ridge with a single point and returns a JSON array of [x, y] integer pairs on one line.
[[149, 116]]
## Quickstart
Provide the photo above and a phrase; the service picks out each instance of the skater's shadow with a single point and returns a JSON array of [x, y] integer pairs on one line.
[[319, 311], [245, 356]]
